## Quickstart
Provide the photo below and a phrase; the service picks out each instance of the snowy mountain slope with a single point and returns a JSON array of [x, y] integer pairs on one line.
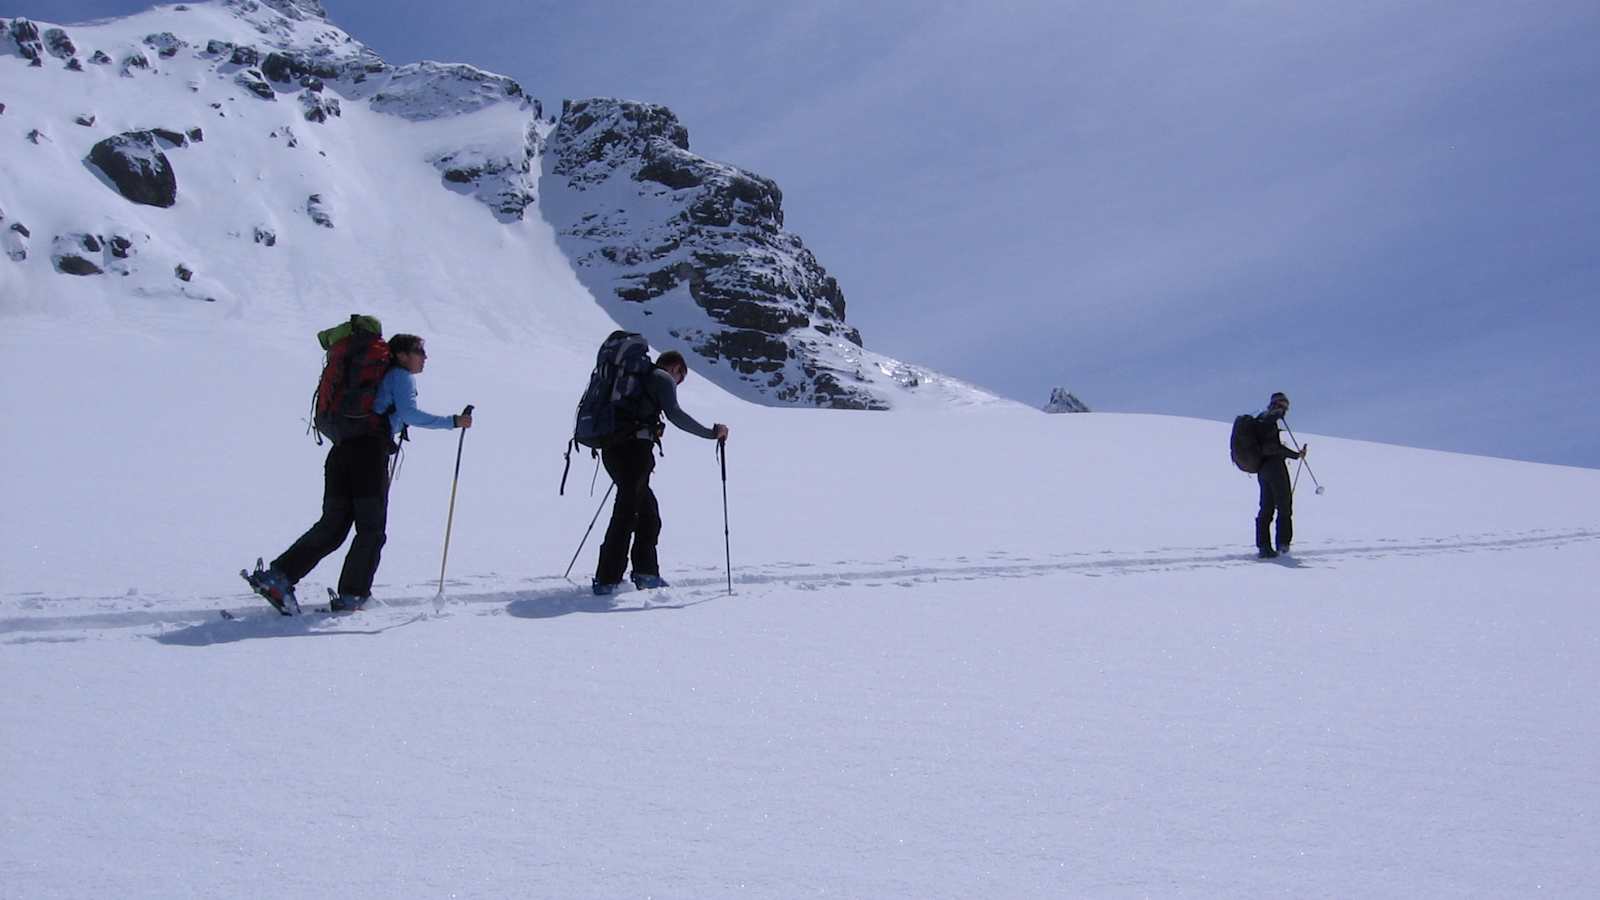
[[259, 158], [971, 649]]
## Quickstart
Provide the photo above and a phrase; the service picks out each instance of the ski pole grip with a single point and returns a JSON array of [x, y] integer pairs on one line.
[[467, 411]]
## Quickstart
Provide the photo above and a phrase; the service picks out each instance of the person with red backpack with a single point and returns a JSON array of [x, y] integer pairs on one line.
[[360, 411]]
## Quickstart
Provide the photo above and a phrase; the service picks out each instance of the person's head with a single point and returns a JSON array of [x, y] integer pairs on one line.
[[408, 352], [1279, 404], [674, 364]]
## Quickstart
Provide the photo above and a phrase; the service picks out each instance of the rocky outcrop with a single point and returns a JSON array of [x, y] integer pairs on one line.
[[253, 81], [25, 36], [14, 238], [317, 209], [77, 254], [59, 44], [1064, 401], [712, 234], [166, 44], [316, 107], [500, 180], [138, 168]]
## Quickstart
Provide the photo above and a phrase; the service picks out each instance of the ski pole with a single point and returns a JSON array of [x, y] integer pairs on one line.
[[451, 519], [1296, 483], [1299, 449], [727, 551], [591, 528]]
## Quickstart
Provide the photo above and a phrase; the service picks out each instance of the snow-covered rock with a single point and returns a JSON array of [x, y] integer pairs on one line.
[[137, 167], [693, 254], [1064, 401]]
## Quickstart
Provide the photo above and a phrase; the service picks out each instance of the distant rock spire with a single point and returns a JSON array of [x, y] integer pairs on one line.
[[1063, 401]]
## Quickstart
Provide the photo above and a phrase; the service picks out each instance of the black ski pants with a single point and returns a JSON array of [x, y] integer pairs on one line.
[[355, 491], [635, 518], [1277, 496]]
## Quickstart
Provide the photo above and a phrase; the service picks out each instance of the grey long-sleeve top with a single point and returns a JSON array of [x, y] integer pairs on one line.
[[663, 392]]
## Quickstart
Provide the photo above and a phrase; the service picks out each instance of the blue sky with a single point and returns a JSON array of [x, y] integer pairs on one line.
[[1389, 210]]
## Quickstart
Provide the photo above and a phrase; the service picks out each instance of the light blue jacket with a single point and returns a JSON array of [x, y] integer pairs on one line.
[[397, 396]]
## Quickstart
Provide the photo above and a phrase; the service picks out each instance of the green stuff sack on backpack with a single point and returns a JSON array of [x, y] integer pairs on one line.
[[357, 359]]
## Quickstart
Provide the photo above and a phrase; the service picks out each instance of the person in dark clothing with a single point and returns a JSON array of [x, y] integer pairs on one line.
[[1277, 494], [355, 492], [636, 517]]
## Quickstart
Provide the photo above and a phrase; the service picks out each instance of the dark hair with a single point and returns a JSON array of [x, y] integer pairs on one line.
[[404, 343], [671, 359]]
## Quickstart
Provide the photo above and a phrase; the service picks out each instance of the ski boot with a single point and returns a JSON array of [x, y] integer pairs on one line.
[[345, 602], [274, 587], [648, 582]]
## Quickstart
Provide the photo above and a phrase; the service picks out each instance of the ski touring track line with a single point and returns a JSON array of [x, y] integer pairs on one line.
[[185, 624]]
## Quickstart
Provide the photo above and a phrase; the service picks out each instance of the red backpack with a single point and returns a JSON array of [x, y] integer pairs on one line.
[[357, 359]]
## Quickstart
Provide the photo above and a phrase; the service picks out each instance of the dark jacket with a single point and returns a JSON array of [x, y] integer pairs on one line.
[[1267, 436], [661, 393]]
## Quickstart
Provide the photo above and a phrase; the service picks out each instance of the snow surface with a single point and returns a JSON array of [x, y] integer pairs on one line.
[[972, 651]]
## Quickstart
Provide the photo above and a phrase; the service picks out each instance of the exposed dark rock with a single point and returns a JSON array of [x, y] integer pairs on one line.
[[166, 44], [215, 47], [35, 136], [196, 135], [85, 121], [73, 65], [672, 171], [137, 167], [100, 58], [318, 211], [287, 67], [26, 36], [183, 272], [21, 229], [76, 265], [245, 56], [59, 45], [77, 254], [2, 109], [317, 107], [312, 83], [267, 236], [748, 352], [169, 137], [252, 81], [119, 246], [134, 60]]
